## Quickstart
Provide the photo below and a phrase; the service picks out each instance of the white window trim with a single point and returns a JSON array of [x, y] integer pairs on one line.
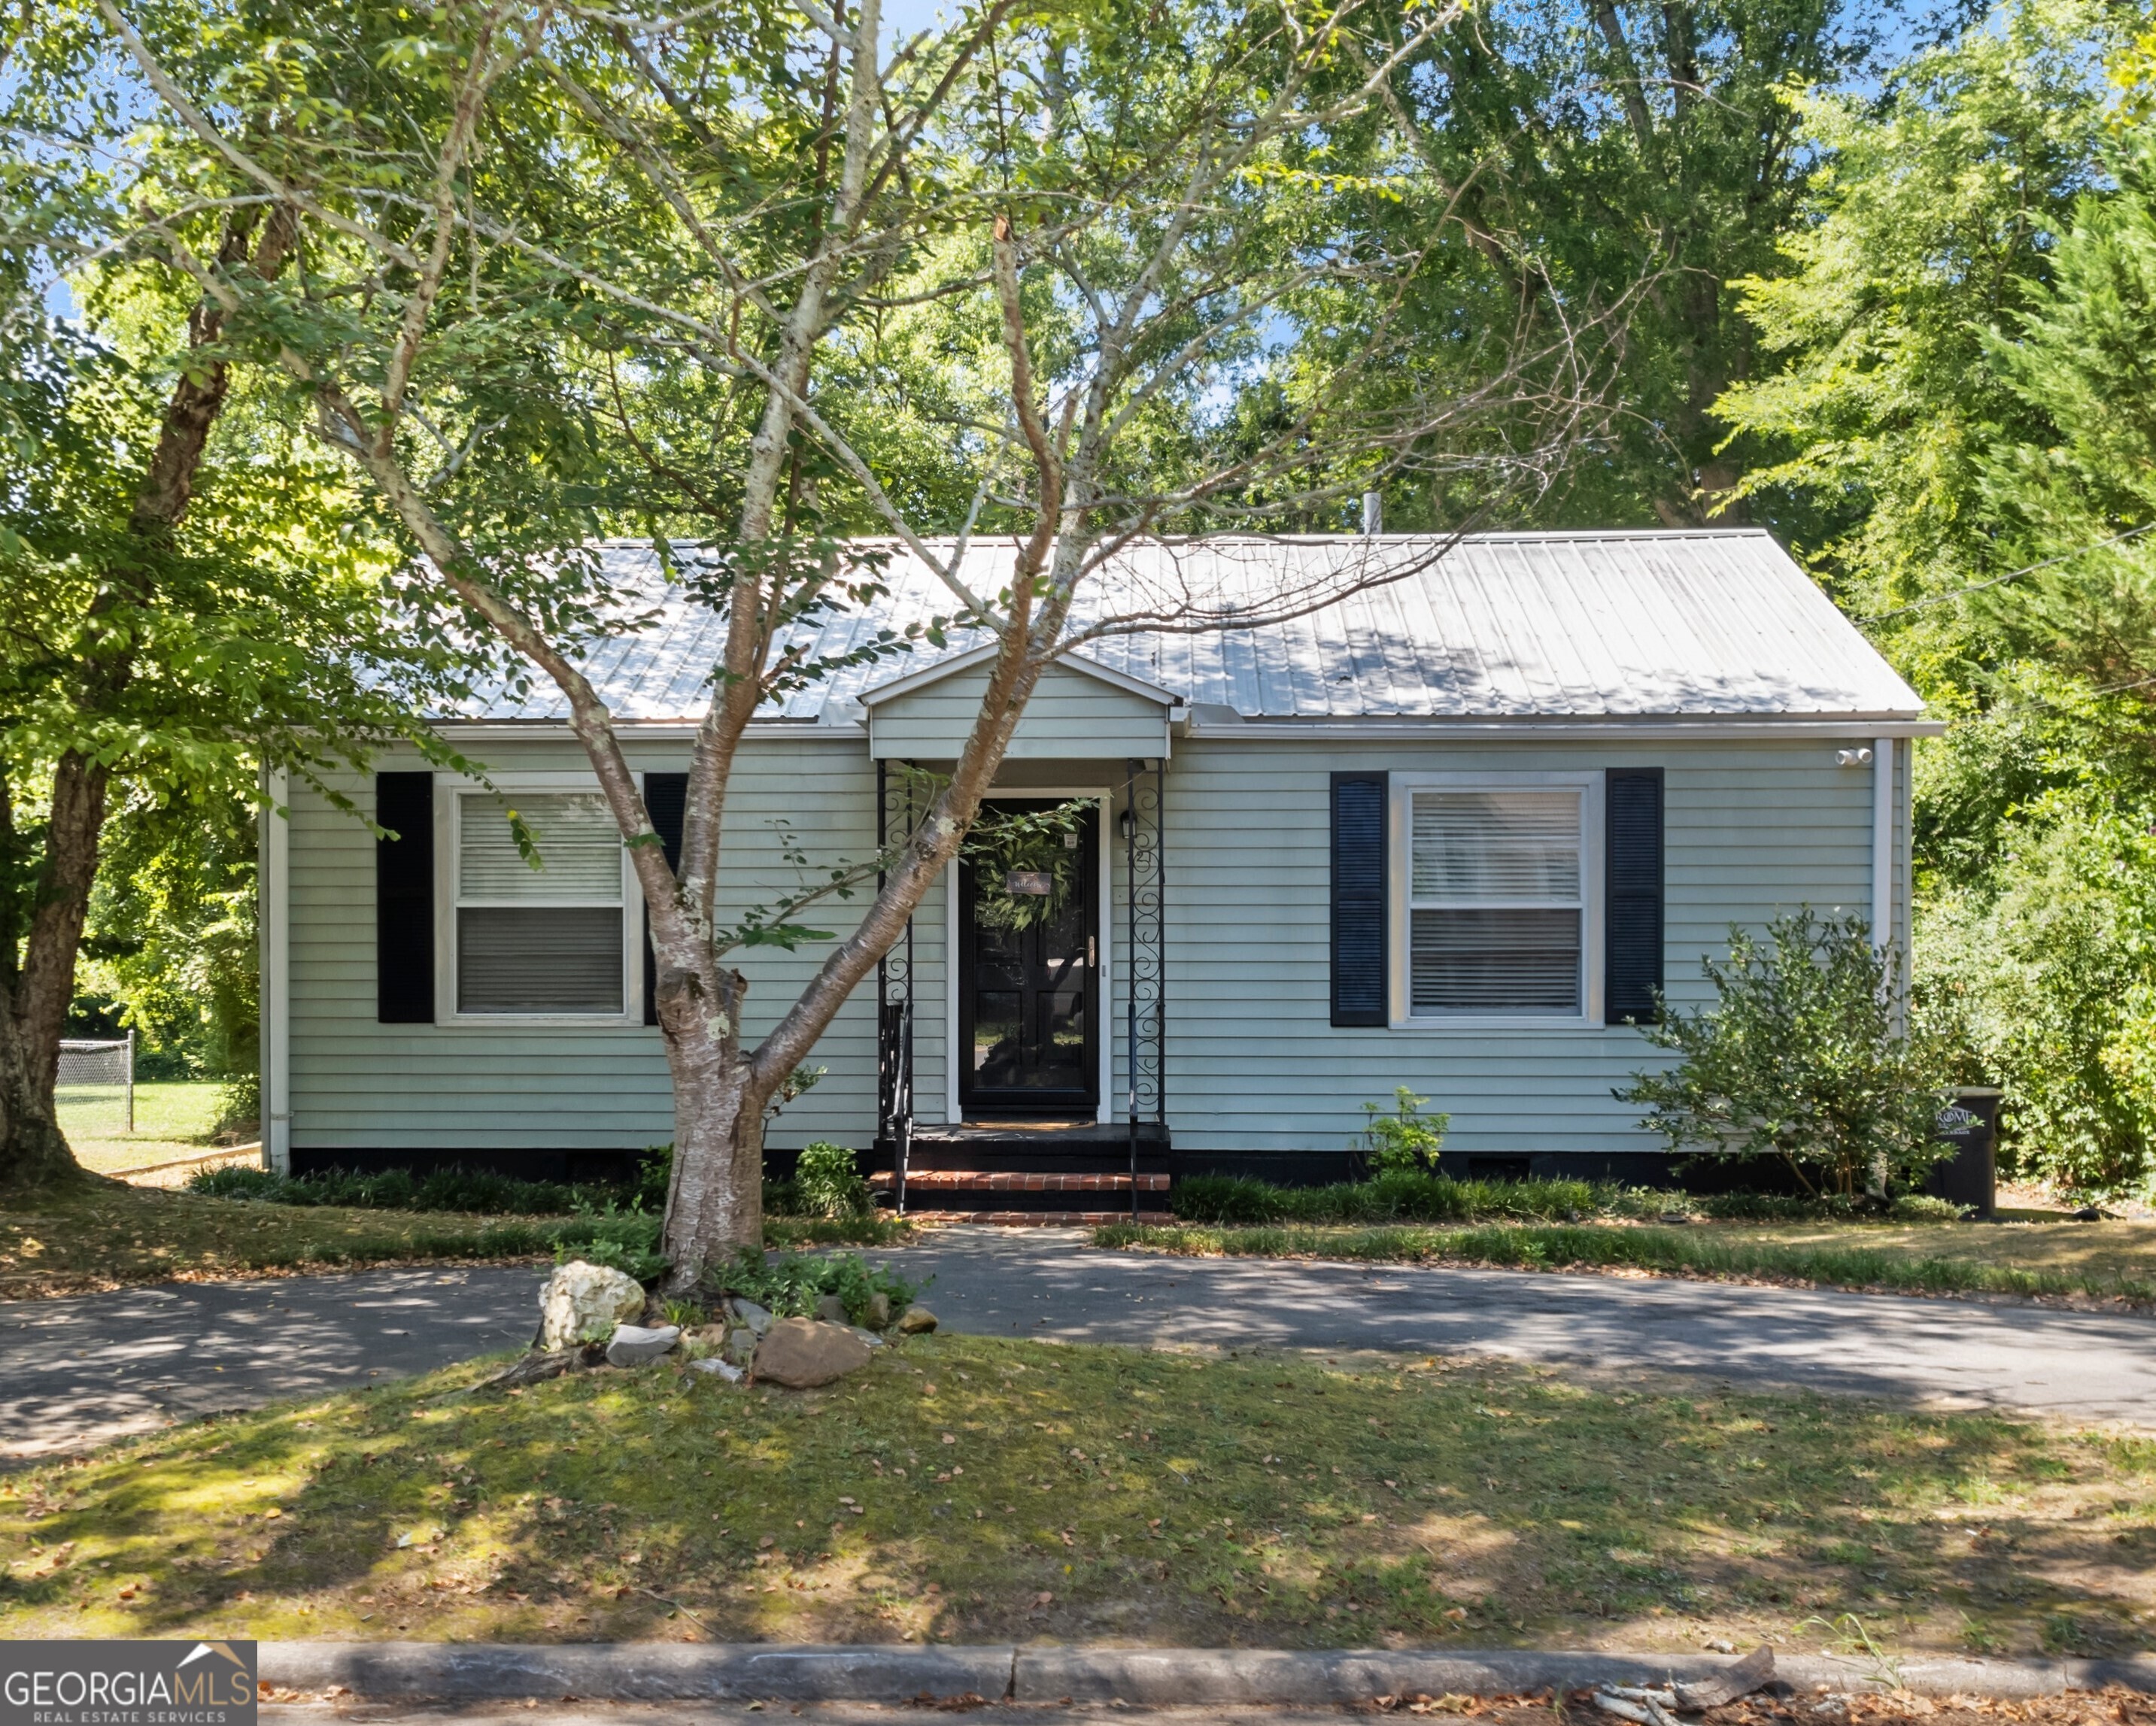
[[1399, 836], [449, 791]]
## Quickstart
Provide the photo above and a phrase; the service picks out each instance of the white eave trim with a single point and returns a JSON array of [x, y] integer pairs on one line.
[[982, 655], [1568, 729], [633, 732]]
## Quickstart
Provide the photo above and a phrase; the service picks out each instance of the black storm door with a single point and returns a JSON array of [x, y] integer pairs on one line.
[[1029, 984]]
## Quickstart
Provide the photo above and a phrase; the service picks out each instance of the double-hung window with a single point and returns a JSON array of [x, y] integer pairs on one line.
[[1496, 884], [552, 942]]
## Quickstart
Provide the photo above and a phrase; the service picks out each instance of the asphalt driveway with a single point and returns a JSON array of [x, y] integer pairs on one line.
[[76, 1371]]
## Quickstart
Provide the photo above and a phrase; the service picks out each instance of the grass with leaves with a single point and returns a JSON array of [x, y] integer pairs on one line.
[[2110, 1262], [107, 1235], [980, 1489]]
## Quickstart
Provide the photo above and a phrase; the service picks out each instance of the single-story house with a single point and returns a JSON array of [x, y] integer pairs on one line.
[[1451, 833]]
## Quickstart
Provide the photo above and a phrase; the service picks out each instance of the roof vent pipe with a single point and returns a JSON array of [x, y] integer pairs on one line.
[[1373, 512]]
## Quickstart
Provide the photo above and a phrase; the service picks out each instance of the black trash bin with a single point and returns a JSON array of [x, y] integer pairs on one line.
[[1970, 1175]]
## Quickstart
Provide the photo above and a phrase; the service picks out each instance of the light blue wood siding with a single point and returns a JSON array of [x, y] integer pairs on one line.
[[356, 1083], [1753, 827], [1071, 715]]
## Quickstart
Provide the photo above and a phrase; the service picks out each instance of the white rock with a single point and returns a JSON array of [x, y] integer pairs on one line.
[[633, 1345], [725, 1369], [583, 1302], [870, 1337]]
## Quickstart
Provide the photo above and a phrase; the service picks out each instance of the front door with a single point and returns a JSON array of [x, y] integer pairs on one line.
[[1028, 977]]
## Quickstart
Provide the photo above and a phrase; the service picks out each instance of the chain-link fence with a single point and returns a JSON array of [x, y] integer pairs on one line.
[[96, 1083]]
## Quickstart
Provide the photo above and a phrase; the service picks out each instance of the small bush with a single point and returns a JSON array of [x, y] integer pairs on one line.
[[828, 1183], [790, 1283], [1922, 1207], [622, 1240], [478, 1191], [1803, 1057], [1228, 1198], [1397, 1195], [1407, 1140]]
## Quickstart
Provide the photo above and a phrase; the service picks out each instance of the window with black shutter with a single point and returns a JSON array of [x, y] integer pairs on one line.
[[666, 801], [404, 898], [1360, 986], [1633, 884]]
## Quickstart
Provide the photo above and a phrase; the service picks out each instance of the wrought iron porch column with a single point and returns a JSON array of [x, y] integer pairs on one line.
[[894, 991], [1145, 1028]]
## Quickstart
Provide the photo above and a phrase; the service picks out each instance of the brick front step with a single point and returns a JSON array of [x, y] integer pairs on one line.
[[1044, 1219], [943, 1180]]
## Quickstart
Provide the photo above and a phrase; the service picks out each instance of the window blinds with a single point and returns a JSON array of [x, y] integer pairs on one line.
[[1495, 903]]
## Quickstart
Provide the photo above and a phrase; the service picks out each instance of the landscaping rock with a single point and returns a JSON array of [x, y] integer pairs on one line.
[[583, 1302], [867, 1336], [830, 1309], [757, 1318], [801, 1354], [915, 1321], [720, 1369], [633, 1345], [878, 1316], [741, 1346]]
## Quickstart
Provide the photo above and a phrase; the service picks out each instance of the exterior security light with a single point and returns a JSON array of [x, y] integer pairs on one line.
[[1853, 757]]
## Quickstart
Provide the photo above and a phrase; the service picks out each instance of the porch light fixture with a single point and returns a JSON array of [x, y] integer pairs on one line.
[[1125, 822]]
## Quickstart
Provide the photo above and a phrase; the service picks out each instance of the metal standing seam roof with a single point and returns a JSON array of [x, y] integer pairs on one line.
[[1711, 623]]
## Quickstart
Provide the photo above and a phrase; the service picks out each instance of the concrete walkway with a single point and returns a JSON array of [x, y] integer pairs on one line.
[[77, 1371]]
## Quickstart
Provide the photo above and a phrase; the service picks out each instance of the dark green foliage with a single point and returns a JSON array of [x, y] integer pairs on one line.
[[1394, 1196], [453, 1189], [1802, 1057], [790, 1283], [1242, 1199], [1407, 1141], [827, 1182]]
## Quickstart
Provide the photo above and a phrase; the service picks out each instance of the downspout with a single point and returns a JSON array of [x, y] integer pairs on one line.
[[272, 901], [1882, 843]]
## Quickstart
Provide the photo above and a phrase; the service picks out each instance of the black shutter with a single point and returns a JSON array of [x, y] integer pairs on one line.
[[1359, 993], [666, 800], [404, 899], [1632, 886]]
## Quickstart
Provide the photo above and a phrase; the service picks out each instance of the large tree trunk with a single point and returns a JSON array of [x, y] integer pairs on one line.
[[714, 1198], [34, 999]]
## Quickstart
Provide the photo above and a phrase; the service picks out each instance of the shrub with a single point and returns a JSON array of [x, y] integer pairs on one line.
[[622, 1240], [2049, 972], [1922, 1207], [1228, 1198], [828, 1183], [1399, 1195], [790, 1283], [1802, 1057], [1406, 1139], [452, 1189]]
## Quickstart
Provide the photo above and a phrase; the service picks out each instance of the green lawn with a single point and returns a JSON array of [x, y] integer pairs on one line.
[[2104, 1261], [173, 1119], [109, 1236], [978, 1489]]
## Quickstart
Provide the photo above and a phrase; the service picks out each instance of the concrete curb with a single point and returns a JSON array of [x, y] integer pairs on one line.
[[1158, 1677]]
